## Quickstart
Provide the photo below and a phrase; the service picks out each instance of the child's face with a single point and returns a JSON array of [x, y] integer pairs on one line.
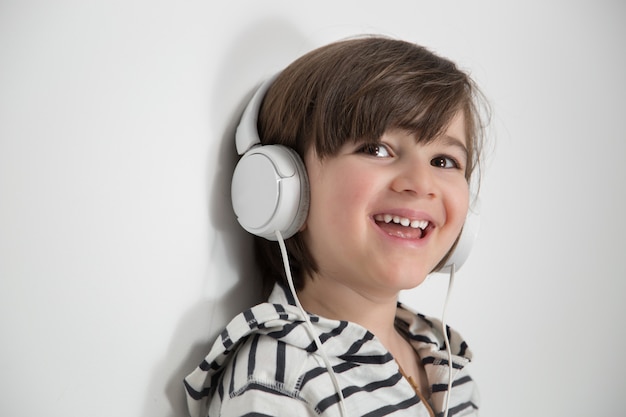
[[356, 192]]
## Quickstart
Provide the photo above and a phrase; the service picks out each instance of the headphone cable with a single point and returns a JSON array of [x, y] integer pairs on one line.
[[309, 325], [447, 340]]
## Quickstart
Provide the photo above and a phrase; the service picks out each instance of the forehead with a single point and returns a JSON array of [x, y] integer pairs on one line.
[[457, 129], [454, 134]]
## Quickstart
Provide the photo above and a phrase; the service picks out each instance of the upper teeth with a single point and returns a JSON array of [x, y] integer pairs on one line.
[[388, 218]]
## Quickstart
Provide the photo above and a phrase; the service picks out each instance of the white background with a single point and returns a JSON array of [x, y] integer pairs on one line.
[[120, 259]]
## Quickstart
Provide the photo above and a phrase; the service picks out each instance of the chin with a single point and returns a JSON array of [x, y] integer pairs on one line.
[[406, 281]]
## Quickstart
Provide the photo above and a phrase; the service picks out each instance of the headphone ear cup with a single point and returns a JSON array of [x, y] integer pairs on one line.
[[465, 241], [270, 191]]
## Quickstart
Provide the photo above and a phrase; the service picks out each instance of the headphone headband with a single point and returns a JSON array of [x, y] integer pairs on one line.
[[247, 134]]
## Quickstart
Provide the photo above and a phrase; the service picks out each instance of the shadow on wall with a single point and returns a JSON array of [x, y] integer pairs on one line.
[[257, 53]]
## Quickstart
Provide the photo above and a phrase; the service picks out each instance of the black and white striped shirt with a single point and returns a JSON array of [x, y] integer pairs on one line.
[[265, 364]]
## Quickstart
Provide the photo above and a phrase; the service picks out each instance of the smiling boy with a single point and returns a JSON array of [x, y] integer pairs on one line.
[[360, 199], [390, 135]]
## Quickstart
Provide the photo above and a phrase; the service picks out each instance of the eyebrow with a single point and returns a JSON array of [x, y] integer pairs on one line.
[[454, 141]]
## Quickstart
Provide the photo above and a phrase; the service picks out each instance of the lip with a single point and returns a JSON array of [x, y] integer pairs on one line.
[[409, 214]]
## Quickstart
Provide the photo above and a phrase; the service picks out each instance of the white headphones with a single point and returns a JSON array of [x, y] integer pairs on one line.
[[270, 188]]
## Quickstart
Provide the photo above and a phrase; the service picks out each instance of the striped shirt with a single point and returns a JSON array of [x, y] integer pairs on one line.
[[265, 363]]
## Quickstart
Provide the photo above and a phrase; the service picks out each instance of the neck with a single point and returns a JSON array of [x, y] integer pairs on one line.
[[368, 309]]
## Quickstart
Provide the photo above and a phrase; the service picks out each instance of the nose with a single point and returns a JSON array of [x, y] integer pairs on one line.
[[414, 177]]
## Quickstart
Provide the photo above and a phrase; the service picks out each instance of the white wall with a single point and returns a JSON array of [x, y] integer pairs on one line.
[[120, 259]]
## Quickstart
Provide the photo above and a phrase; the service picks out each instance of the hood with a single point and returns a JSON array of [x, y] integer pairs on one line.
[[279, 318]]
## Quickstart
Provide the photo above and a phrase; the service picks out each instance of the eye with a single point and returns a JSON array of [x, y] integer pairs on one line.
[[445, 162], [375, 149]]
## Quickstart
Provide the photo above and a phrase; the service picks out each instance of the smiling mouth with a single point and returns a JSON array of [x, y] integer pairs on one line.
[[403, 227]]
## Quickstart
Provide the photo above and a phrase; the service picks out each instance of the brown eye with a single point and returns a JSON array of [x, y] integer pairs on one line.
[[375, 149], [444, 162]]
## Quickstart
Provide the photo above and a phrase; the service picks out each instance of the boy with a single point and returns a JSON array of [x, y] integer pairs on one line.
[[389, 134]]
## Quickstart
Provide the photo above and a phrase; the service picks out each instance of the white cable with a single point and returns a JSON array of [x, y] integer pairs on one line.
[[447, 340], [309, 326]]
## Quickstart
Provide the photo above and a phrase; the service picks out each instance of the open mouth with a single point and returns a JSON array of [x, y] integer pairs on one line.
[[403, 227]]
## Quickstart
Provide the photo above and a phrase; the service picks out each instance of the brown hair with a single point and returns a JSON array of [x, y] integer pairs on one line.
[[353, 90]]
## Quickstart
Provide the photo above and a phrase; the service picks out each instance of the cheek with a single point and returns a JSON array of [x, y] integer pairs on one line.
[[459, 204], [353, 193], [353, 186], [340, 199]]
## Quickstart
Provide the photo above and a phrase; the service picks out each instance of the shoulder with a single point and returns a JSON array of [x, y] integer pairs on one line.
[[428, 339], [267, 374], [428, 332]]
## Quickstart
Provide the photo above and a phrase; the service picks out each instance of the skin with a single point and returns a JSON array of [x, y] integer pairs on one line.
[[364, 263]]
